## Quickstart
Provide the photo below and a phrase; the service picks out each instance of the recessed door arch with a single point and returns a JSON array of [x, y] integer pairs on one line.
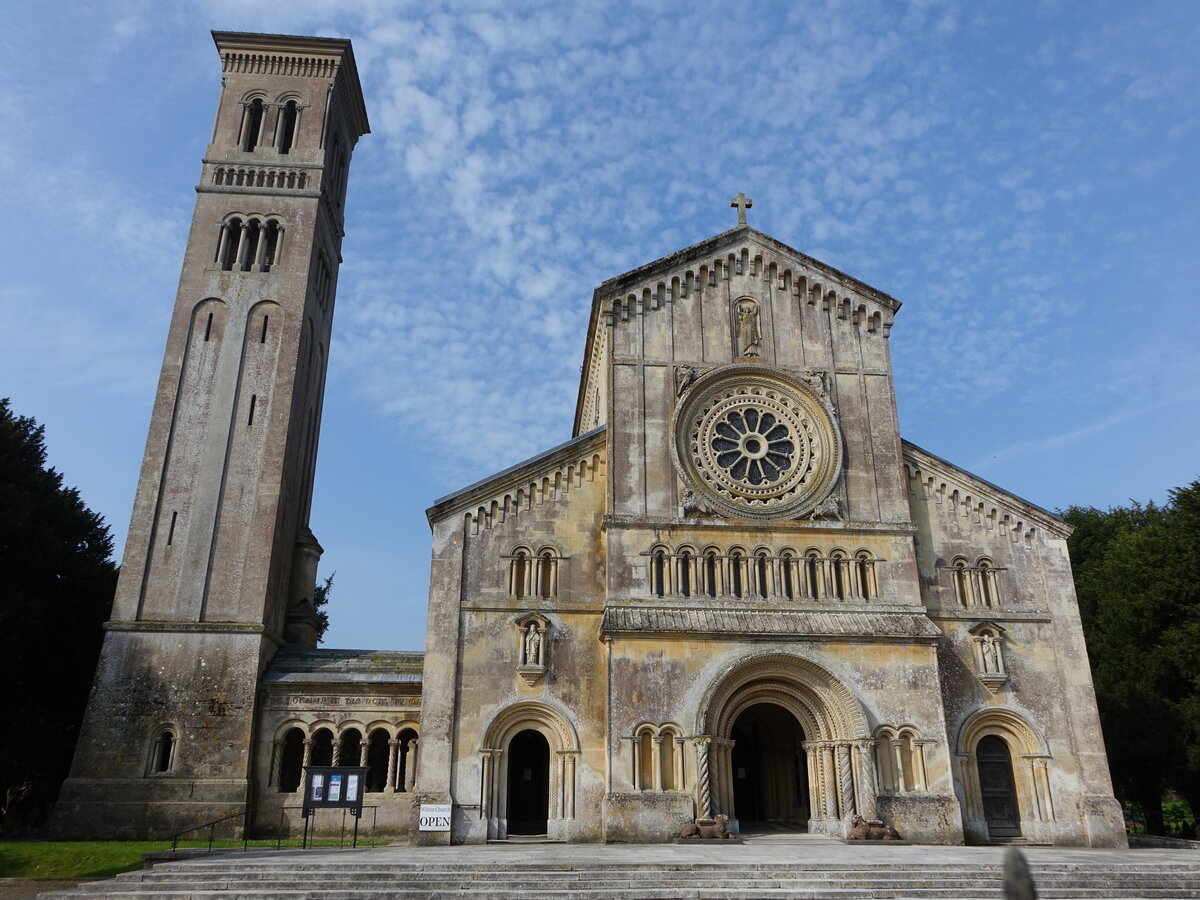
[[838, 765], [531, 739]]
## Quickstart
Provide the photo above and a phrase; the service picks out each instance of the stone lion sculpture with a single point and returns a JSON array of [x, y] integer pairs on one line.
[[875, 830], [707, 828]]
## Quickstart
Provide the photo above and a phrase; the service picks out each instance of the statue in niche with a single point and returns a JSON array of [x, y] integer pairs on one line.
[[532, 649], [684, 376], [987, 646], [533, 646], [749, 333]]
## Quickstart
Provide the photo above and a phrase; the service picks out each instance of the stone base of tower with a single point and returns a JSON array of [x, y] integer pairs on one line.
[[130, 809]]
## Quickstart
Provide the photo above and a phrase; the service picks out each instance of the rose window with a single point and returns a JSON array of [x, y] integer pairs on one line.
[[756, 443], [753, 446]]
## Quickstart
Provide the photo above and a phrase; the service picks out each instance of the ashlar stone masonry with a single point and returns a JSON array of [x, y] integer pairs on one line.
[[736, 590]]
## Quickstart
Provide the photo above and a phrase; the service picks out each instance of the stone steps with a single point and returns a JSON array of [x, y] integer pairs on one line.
[[226, 877]]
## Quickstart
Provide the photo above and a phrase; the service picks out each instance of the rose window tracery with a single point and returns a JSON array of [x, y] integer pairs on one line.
[[756, 443]]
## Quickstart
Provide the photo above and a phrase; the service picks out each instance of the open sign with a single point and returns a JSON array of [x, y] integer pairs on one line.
[[435, 817]]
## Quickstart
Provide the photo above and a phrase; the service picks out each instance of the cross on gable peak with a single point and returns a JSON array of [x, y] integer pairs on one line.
[[743, 203]]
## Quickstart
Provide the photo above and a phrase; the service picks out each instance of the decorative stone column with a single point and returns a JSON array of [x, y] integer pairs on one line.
[[635, 758], [919, 771], [410, 766], [336, 758], [902, 786], [846, 774], [390, 785], [276, 754], [867, 790], [656, 762], [813, 769], [307, 754], [677, 759], [703, 785], [362, 752], [829, 780]]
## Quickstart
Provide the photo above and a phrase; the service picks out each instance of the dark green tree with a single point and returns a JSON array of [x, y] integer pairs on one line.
[[320, 600], [1137, 574], [55, 594]]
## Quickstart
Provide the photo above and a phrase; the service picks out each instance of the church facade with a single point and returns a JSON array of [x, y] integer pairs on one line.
[[736, 590]]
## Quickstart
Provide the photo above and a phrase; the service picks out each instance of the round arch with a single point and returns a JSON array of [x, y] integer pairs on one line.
[[1030, 762], [838, 759], [563, 742]]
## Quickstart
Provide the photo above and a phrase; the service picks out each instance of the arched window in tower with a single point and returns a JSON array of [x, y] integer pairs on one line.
[[814, 575], [840, 573], [520, 572], [162, 751], [249, 249], [762, 567], [788, 572], [547, 574], [658, 572], [271, 246], [710, 572], [685, 572], [962, 581], [231, 242], [252, 122], [737, 562], [987, 583], [321, 750], [864, 563], [288, 118]]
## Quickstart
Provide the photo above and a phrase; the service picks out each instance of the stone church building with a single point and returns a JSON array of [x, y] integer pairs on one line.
[[736, 589]]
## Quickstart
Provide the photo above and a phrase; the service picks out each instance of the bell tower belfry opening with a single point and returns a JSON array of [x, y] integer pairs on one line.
[[220, 564]]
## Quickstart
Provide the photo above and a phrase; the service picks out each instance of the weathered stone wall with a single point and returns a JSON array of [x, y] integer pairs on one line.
[[1041, 703]]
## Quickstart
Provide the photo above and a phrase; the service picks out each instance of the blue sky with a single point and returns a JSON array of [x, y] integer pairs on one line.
[[1023, 176]]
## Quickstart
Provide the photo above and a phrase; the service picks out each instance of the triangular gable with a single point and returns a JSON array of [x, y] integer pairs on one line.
[[547, 476], [991, 506], [740, 250]]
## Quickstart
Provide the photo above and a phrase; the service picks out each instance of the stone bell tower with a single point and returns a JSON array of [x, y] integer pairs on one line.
[[220, 564]]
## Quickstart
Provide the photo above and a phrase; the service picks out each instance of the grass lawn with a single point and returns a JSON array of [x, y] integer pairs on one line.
[[104, 859], [73, 859]]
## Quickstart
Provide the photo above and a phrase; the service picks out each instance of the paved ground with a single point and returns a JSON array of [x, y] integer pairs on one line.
[[769, 848]]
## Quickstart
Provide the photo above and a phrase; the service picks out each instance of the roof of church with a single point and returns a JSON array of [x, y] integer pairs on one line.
[[1030, 510], [346, 666], [528, 468], [710, 247]]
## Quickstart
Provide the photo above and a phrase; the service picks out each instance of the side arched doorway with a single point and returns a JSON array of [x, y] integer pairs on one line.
[[1004, 775], [527, 764], [528, 783], [770, 774], [998, 788], [755, 717]]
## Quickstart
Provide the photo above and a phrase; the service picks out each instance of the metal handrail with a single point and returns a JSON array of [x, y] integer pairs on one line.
[[211, 826]]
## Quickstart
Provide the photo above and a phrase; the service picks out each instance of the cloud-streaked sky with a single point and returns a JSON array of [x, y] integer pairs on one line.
[[1023, 175]]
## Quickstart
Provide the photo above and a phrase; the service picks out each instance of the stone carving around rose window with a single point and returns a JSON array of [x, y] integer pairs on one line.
[[752, 442]]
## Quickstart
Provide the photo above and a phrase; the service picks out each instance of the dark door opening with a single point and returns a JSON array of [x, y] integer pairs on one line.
[[999, 790], [528, 783], [770, 774]]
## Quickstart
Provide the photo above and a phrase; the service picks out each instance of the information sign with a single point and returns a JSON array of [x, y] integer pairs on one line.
[[435, 817]]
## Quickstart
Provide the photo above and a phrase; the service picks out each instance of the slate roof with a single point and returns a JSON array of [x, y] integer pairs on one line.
[[767, 622], [345, 667]]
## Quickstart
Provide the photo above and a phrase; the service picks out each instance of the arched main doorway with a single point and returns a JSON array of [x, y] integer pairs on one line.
[[770, 775], [998, 788], [528, 783], [757, 711]]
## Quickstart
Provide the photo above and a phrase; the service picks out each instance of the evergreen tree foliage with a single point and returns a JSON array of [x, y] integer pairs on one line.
[[1137, 574], [55, 594]]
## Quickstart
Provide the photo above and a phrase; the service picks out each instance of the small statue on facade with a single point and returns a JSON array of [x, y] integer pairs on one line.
[[749, 333], [829, 508], [533, 645], [684, 376]]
